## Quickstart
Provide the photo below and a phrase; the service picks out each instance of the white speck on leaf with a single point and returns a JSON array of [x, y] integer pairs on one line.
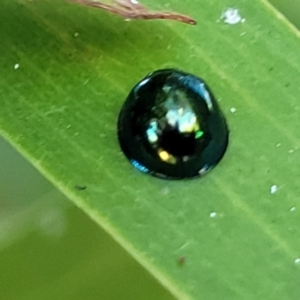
[[213, 214], [16, 66], [274, 189], [278, 145], [232, 16], [76, 34], [291, 151], [232, 110], [292, 209], [297, 261]]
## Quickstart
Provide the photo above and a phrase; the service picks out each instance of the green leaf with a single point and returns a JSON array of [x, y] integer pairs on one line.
[[66, 70]]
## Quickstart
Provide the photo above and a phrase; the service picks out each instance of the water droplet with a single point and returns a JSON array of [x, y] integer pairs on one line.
[[171, 126], [16, 66]]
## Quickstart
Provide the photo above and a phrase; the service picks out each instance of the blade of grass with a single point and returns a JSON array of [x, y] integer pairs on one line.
[[59, 108]]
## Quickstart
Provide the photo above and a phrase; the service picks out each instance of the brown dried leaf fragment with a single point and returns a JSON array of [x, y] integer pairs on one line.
[[131, 9]]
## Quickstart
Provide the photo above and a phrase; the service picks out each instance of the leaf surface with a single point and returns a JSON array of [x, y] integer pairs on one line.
[[67, 69]]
